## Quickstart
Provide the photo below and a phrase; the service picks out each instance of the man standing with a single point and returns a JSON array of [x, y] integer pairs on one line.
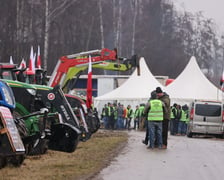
[[164, 97], [129, 117], [136, 118], [120, 120], [155, 110]]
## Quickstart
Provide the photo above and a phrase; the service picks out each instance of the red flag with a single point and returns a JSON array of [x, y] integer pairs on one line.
[[222, 81], [38, 58], [31, 69], [89, 85]]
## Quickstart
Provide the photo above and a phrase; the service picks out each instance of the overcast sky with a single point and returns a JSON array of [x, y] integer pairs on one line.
[[211, 8]]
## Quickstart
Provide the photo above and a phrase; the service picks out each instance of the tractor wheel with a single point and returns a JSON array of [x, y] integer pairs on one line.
[[17, 160], [2, 162], [20, 124]]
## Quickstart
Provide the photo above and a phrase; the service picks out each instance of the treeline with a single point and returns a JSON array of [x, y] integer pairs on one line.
[[153, 29]]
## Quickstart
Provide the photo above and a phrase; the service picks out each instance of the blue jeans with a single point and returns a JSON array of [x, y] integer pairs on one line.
[[105, 122], [155, 132], [182, 128], [120, 123]]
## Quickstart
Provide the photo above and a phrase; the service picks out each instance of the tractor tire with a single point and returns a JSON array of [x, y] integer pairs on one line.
[[20, 124], [3, 162], [17, 160]]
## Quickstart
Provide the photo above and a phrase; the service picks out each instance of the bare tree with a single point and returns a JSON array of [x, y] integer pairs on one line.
[[101, 23]]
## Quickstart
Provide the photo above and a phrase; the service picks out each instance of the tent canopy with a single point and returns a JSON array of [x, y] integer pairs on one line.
[[135, 90], [192, 84]]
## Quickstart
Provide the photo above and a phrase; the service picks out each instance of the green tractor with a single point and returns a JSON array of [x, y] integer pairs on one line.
[[44, 118]]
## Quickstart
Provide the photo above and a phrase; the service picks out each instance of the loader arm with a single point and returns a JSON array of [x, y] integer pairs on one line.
[[79, 60]]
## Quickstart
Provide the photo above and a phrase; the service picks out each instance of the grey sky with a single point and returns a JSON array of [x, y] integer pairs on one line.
[[210, 8]]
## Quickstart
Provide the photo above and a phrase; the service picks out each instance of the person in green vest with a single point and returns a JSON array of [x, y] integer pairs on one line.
[[111, 116], [129, 117], [136, 118], [115, 116], [155, 109], [104, 116], [182, 128], [142, 117], [164, 97], [172, 118]]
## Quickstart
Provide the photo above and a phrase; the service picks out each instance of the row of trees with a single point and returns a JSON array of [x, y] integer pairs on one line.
[[150, 28]]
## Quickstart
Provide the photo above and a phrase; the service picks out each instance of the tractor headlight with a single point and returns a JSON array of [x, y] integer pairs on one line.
[[9, 98], [32, 91]]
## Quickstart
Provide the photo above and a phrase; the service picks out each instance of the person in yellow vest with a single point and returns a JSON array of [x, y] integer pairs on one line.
[[136, 118], [164, 97], [129, 117], [111, 116], [182, 128], [142, 117], [172, 118], [155, 109], [104, 116]]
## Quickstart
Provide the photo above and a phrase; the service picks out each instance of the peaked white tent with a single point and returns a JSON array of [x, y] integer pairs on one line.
[[192, 84], [134, 91]]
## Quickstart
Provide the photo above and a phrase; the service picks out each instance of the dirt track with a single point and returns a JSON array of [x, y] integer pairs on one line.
[[185, 158]]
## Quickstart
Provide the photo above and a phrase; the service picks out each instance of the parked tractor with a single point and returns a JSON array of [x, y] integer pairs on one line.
[[12, 149]]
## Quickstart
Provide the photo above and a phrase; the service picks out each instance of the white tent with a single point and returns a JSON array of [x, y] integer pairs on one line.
[[192, 84], [135, 90]]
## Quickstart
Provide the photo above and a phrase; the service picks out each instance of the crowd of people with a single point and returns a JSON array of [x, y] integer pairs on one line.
[[117, 116], [157, 117]]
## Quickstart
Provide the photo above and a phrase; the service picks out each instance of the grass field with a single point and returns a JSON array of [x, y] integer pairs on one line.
[[88, 159]]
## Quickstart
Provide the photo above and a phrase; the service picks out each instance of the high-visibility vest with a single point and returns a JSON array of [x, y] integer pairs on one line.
[[109, 111], [104, 111], [141, 110], [171, 113], [137, 113], [115, 112], [130, 113], [156, 110]]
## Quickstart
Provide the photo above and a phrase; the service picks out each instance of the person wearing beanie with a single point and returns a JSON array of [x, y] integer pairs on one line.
[[164, 97]]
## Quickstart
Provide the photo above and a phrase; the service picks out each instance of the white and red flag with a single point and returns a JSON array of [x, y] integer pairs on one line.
[[38, 58], [31, 68], [222, 81], [11, 60], [89, 85], [22, 64]]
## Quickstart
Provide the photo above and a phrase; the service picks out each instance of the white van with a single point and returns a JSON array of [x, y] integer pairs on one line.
[[206, 117]]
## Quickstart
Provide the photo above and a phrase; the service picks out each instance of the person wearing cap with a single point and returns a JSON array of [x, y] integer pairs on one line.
[[154, 110], [164, 97]]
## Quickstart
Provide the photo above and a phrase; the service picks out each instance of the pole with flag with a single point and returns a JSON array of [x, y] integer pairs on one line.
[[31, 68], [222, 85], [11, 60], [89, 85], [222, 81], [38, 58], [22, 64]]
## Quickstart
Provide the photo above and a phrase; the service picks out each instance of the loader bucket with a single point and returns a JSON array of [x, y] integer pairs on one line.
[[64, 137]]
